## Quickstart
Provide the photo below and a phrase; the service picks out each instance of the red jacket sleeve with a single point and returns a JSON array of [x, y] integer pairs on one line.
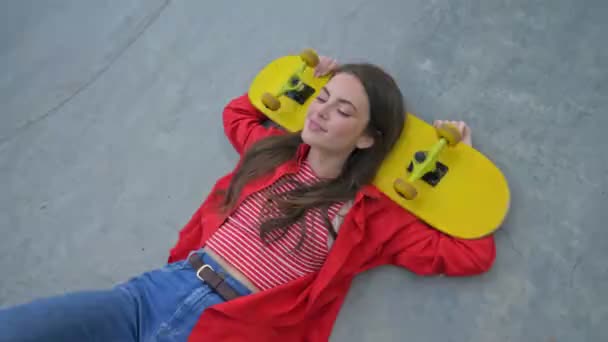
[[189, 238], [427, 251], [243, 124]]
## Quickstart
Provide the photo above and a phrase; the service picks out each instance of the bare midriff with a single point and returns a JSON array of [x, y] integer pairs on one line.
[[231, 270]]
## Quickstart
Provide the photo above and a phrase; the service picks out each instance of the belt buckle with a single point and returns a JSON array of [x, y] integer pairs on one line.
[[198, 272]]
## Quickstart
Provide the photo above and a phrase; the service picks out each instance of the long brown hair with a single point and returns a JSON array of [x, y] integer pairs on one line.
[[387, 117]]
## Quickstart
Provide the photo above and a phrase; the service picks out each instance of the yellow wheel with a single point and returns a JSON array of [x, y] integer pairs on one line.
[[449, 133], [405, 189], [270, 101], [310, 57]]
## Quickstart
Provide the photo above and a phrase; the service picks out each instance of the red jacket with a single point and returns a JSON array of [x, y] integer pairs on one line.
[[375, 232]]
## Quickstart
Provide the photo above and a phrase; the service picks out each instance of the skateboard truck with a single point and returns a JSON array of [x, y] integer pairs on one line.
[[294, 88], [431, 177], [425, 164]]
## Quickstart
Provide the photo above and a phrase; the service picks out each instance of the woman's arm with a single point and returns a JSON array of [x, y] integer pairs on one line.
[[243, 124], [425, 250]]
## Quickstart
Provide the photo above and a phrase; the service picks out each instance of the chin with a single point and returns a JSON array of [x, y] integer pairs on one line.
[[312, 139], [308, 138], [319, 144]]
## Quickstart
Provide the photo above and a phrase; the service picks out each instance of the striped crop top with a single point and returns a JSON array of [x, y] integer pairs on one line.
[[268, 265]]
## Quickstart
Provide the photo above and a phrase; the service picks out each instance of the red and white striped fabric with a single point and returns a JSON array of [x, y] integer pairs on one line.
[[266, 266]]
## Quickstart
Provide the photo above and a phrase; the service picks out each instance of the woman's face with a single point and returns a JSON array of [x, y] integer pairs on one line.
[[337, 118]]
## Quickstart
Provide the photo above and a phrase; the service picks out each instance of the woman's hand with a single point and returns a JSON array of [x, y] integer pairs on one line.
[[463, 128], [326, 66]]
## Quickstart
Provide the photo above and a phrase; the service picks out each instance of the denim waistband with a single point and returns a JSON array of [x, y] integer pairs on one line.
[[234, 283]]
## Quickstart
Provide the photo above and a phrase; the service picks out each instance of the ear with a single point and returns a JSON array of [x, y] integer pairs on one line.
[[365, 141]]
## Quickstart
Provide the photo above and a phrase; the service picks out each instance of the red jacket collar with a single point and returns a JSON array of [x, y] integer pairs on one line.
[[302, 153]]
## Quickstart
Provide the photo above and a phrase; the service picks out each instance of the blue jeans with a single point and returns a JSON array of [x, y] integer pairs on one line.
[[160, 305]]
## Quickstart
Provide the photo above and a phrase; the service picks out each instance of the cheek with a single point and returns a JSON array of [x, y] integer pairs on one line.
[[312, 107], [346, 130]]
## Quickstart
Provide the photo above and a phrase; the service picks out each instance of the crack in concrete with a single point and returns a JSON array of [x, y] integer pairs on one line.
[[512, 244], [148, 21], [578, 262]]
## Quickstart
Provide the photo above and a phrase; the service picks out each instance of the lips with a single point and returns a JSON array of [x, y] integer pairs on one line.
[[315, 126]]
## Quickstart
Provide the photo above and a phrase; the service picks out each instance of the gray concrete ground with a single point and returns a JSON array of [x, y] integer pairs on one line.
[[110, 137]]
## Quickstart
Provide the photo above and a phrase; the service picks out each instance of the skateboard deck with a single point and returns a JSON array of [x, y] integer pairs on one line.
[[470, 199]]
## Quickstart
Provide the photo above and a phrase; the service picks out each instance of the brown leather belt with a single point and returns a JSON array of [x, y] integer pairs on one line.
[[207, 274]]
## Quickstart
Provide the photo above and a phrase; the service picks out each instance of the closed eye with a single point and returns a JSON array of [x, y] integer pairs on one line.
[[325, 91], [343, 113]]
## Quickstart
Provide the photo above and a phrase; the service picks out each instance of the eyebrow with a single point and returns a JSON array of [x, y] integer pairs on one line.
[[341, 99]]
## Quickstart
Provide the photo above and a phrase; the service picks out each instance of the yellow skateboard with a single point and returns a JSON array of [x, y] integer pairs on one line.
[[445, 183]]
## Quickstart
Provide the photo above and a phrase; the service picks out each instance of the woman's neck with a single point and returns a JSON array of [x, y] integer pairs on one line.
[[324, 164]]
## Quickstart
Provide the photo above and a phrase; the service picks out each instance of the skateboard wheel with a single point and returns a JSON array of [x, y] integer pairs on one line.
[[420, 156], [449, 133], [270, 101], [405, 189], [310, 57]]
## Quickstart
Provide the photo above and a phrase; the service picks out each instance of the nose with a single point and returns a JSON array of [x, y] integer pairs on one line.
[[324, 112]]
